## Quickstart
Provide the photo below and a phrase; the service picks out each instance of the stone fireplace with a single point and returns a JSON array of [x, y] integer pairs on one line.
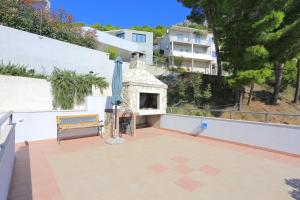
[[142, 93]]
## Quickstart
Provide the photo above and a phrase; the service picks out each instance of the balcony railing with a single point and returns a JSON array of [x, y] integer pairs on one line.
[[194, 55], [202, 42], [191, 41], [7, 153], [4, 120]]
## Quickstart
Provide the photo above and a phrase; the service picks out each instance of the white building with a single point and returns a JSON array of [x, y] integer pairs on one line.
[[125, 42], [194, 49], [143, 40]]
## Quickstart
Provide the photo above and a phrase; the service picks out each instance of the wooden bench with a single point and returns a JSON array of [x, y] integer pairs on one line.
[[73, 126]]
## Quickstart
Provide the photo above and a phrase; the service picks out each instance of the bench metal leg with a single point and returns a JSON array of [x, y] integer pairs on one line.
[[100, 131]]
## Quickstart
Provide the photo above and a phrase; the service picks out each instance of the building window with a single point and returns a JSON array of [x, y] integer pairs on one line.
[[211, 40], [180, 37], [138, 37], [121, 35], [213, 53]]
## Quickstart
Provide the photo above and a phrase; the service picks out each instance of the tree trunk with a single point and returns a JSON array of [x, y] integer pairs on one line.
[[219, 66], [250, 94], [239, 97], [278, 69], [297, 86]]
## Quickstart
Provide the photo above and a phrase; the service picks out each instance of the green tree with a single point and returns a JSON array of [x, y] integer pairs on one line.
[[107, 27], [196, 82], [181, 90], [242, 54], [157, 31], [253, 34], [206, 94], [281, 39]]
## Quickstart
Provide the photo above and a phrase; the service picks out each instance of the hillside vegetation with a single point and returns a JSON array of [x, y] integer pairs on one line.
[[257, 44], [57, 25], [199, 94]]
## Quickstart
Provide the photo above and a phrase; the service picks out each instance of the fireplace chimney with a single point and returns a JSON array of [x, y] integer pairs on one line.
[[138, 60]]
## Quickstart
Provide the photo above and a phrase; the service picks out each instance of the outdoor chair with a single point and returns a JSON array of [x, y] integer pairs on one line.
[[125, 122]]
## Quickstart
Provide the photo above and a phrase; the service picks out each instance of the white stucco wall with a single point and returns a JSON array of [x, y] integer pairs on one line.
[[31, 126], [30, 94], [43, 54], [24, 94], [278, 137]]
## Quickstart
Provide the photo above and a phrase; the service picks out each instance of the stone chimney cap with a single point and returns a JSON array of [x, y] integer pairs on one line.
[[138, 52]]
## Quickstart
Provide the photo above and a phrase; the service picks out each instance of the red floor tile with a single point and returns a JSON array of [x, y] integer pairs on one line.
[[210, 170], [188, 184]]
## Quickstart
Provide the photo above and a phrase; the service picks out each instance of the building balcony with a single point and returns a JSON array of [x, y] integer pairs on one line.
[[199, 56], [205, 43], [202, 43]]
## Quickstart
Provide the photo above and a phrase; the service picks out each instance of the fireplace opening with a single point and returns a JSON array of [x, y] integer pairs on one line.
[[149, 100]]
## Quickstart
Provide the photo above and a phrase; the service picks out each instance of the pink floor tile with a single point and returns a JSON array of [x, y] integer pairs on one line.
[[180, 159], [188, 184], [183, 169], [210, 170], [157, 168]]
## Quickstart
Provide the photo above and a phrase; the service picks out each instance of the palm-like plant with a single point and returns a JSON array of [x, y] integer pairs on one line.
[[69, 88]]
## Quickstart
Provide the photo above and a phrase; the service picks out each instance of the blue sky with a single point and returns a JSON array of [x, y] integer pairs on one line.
[[124, 13]]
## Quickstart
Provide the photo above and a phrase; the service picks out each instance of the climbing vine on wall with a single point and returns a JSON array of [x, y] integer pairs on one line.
[[70, 89]]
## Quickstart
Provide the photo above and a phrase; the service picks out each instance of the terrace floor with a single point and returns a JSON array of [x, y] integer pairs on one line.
[[155, 164]]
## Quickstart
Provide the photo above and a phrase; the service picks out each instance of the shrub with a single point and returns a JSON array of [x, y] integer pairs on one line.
[[107, 27], [19, 70], [181, 90], [157, 31], [112, 53], [178, 62], [23, 16], [70, 89], [159, 58]]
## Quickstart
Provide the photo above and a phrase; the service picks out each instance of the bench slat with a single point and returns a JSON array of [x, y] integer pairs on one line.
[[77, 122]]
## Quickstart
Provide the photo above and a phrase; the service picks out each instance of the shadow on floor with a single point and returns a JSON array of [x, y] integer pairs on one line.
[[21, 186], [295, 184]]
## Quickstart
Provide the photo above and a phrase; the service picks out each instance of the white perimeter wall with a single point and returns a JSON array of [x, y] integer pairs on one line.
[[24, 94], [31, 94], [31, 126], [273, 136], [43, 54]]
